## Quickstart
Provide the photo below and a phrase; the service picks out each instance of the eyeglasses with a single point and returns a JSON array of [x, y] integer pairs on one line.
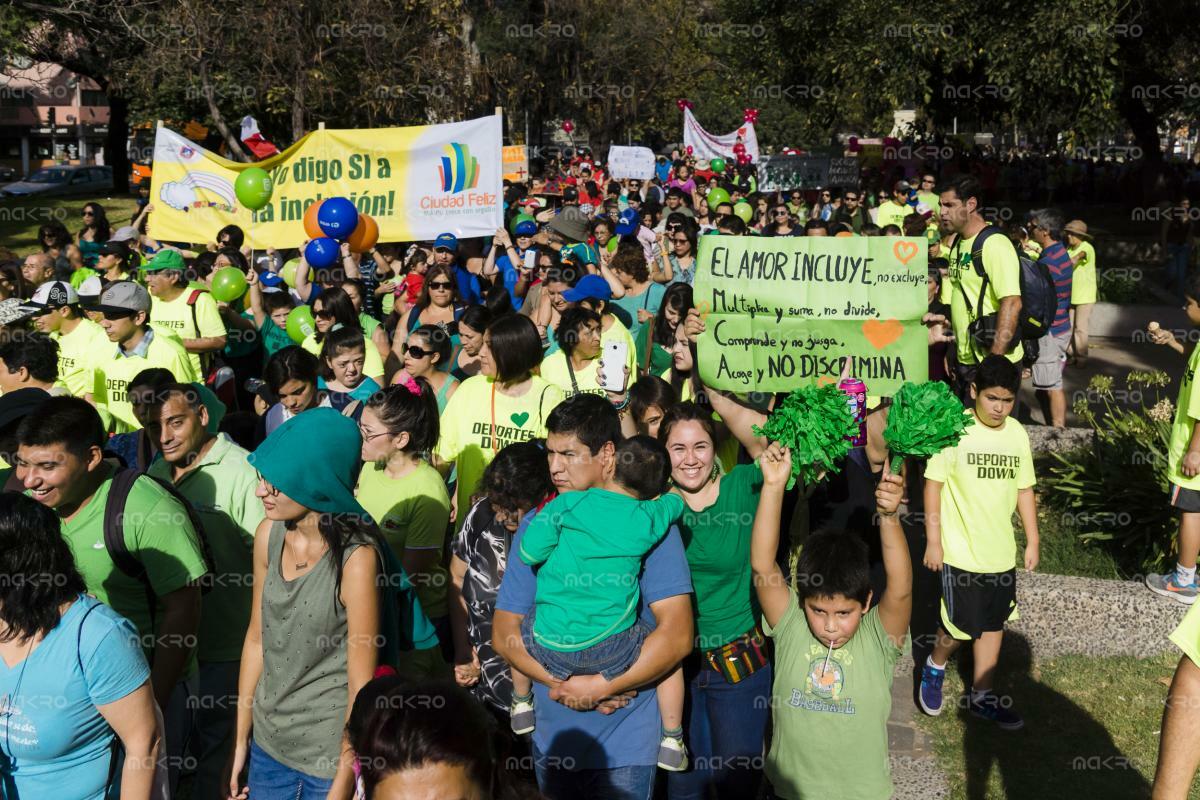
[[436, 286], [417, 352], [272, 491], [368, 436], [781, 213]]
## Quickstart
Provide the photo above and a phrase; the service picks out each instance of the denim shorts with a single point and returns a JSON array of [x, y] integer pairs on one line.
[[609, 658]]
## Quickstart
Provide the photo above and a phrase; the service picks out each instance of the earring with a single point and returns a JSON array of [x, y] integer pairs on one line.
[[716, 471]]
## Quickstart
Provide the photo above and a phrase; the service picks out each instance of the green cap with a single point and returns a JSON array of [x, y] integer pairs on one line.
[[165, 259]]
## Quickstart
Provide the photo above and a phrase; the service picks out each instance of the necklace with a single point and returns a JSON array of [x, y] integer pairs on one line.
[[6, 702], [302, 566]]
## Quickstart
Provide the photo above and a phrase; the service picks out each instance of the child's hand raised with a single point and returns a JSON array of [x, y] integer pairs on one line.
[[776, 465], [889, 494]]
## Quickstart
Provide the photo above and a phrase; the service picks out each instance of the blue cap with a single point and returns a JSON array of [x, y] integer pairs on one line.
[[526, 227], [590, 287], [628, 222], [447, 241], [270, 280]]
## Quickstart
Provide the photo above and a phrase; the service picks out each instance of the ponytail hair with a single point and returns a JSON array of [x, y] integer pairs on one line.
[[401, 410]]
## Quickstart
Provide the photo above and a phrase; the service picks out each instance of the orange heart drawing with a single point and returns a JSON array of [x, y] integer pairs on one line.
[[882, 332], [905, 251], [825, 380]]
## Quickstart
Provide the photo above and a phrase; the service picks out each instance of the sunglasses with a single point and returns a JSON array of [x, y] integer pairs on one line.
[[680, 241], [417, 352], [88, 214], [323, 314], [674, 226], [781, 213], [436, 286], [113, 316]]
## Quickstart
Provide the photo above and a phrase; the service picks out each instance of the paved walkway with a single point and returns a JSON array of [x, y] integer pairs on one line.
[[915, 771]]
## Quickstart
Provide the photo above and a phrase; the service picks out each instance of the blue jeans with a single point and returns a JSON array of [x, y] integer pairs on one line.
[[270, 780], [1178, 256], [609, 657], [619, 783], [724, 725]]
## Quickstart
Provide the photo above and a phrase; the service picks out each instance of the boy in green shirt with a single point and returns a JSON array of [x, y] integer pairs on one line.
[[1183, 464], [834, 650], [971, 490], [590, 546]]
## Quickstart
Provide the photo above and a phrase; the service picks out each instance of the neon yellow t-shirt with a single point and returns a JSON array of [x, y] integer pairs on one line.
[[175, 316], [1004, 272], [114, 371], [892, 213], [479, 422], [76, 364], [980, 479], [412, 513], [1083, 277], [555, 369], [1187, 412], [372, 367]]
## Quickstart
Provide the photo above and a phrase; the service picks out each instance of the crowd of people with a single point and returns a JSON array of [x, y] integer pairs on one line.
[[485, 532]]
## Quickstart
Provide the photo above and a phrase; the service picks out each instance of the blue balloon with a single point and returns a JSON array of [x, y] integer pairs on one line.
[[337, 217], [321, 253]]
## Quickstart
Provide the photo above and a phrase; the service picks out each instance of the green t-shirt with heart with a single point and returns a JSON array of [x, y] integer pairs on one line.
[[474, 412]]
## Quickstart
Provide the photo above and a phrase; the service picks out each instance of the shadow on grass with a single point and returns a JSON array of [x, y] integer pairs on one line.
[[1061, 752]]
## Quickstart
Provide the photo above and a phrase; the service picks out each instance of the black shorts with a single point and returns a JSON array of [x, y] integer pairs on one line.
[[1185, 499], [974, 603]]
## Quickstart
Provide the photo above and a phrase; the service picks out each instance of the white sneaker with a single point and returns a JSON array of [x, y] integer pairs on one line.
[[521, 716], [672, 754]]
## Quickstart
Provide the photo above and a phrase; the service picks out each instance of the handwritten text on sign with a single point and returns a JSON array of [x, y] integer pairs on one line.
[[784, 312]]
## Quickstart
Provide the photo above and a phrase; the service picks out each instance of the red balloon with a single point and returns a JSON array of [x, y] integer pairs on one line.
[[311, 228], [689, 149], [365, 234], [568, 126]]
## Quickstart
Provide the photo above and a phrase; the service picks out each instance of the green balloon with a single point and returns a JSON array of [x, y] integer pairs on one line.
[[253, 188], [742, 209], [716, 197], [717, 164], [300, 323], [228, 284], [288, 273]]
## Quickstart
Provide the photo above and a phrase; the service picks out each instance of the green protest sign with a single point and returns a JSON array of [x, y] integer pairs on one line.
[[787, 311]]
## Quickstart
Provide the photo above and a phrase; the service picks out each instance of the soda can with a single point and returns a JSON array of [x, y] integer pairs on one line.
[[856, 395]]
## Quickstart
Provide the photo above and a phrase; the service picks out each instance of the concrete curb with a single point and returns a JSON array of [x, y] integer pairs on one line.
[[1063, 615]]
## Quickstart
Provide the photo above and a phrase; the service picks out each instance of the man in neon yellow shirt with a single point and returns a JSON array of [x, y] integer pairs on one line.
[[132, 346], [964, 288], [58, 315], [1083, 284], [189, 314], [927, 197], [893, 211]]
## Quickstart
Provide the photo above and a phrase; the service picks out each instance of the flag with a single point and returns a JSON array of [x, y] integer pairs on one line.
[[253, 139]]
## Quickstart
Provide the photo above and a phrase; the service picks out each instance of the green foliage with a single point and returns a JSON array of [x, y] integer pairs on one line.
[[925, 419], [1123, 289], [1114, 494], [816, 424]]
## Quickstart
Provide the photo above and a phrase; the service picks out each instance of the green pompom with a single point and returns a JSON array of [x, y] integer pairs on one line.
[[816, 424], [925, 418]]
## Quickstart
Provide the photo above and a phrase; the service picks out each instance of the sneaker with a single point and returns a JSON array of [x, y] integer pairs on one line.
[[930, 695], [1168, 586], [672, 754], [520, 715], [989, 708]]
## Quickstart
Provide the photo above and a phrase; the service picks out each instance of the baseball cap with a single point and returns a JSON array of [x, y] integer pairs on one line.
[[54, 294], [446, 241], [628, 222], [127, 233], [165, 259], [525, 227], [89, 292], [590, 287], [124, 297], [270, 280], [14, 309], [113, 248], [902, 186], [570, 194]]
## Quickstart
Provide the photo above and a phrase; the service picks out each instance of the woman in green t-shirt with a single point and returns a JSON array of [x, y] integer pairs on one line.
[[729, 674]]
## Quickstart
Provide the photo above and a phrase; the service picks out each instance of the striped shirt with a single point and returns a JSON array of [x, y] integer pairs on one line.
[[1058, 261]]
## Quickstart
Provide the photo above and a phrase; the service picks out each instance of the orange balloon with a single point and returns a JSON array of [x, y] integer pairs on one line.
[[366, 234], [310, 221]]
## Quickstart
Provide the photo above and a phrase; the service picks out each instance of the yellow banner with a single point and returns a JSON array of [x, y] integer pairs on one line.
[[416, 182]]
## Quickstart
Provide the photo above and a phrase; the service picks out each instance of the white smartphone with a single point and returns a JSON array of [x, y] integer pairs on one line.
[[530, 259], [613, 360]]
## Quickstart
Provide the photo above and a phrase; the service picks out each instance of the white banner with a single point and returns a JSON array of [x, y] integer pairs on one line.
[[708, 146], [630, 162]]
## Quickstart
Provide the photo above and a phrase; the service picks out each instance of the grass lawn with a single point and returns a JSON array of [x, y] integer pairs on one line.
[[1062, 552], [20, 218], [1091, 729]]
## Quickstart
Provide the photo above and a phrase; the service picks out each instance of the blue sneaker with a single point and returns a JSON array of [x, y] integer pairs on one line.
[[930, 695], [991, 709], [1169, 585]]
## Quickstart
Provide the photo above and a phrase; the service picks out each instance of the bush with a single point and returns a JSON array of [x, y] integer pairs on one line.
[[1114, 494]]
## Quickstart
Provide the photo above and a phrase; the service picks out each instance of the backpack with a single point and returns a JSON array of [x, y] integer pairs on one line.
[[114, 533], [1039, 298]]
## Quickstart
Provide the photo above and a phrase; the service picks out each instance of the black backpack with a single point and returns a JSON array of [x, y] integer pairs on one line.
[[1039, 297], [114, 532]]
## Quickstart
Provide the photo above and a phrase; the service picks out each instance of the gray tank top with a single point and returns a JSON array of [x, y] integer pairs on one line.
[[300, 702]]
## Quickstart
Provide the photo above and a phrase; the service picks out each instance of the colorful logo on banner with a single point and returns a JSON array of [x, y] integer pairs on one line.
[[459, 169]]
